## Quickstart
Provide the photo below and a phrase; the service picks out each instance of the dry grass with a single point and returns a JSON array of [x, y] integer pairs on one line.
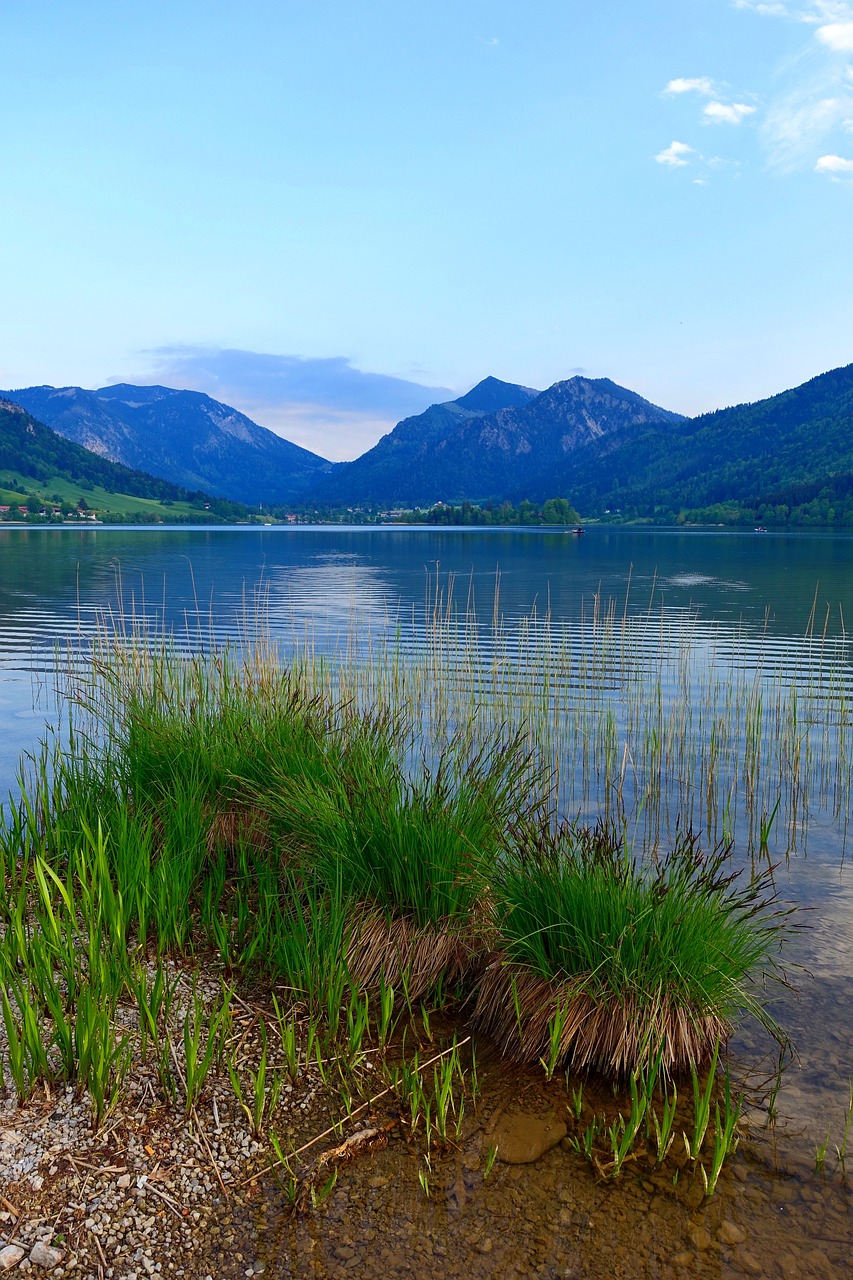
[[238, 825], [521, 1011], [415, 958]]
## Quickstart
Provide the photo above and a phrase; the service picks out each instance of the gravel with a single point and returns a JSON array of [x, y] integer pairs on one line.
[[149, 1192]]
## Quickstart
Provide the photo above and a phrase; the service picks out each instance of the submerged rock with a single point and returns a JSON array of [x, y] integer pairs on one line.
[[521, 1138]]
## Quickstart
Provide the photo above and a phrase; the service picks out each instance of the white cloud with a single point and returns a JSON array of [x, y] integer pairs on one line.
[[833, 165], [837, 36], [675, 155], [699, 84], [727, 112]]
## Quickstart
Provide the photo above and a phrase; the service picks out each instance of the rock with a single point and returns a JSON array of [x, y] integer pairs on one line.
[[683, 1259], [789, 1266], [701, 1238], [521, 1138], [729, 1233], [750, 1263], [44, 1255], [124, 1181], [10, 1256]]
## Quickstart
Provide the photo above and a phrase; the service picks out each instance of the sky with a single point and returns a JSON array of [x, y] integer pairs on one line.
[[331, 213]]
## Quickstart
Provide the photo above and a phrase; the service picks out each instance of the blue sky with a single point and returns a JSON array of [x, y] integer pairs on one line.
[[331, 214]]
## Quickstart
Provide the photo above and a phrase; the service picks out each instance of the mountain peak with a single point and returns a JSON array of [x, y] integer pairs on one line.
[[492, 394], [140, 395]]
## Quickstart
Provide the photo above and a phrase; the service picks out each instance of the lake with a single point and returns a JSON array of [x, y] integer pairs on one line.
[[699, 676]]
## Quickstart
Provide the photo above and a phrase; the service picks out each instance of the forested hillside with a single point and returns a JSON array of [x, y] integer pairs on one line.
[[34, 461], [787, 452]]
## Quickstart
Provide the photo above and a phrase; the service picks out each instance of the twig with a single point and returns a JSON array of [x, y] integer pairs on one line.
[[16, 1213], [98, 1247], [167, 1200], [181, 1075], [334, 1128], [203, 1137]]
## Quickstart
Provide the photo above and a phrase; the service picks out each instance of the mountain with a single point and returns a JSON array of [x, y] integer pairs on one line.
[[184, 436], [398, 469], [36, 460], [477, 447], [750, 454]]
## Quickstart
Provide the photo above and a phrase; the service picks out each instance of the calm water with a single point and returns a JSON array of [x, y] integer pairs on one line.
[[774, 606]]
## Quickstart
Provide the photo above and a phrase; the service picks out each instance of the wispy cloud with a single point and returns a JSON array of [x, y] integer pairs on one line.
[[819, 11], [816, 98], [675, 155], [767, 7], [699, 84], [326, 405], [726, 112], [798, 124]]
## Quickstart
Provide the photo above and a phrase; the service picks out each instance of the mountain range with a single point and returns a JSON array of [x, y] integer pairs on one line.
[[184, 436], [39, 463], [600, 445], [500, 439]]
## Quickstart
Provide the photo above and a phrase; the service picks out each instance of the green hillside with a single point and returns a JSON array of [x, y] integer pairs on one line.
[[784, 460], [44, 472]]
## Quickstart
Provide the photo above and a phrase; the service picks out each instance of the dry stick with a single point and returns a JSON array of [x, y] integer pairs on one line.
[[334, 1128], [203, 1137], [98, 1246], [16, 1213], [181, 1075], [167, 1200]]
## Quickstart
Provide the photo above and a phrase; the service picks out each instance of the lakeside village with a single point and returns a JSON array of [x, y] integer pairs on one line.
[[555, 512], [67, 512]]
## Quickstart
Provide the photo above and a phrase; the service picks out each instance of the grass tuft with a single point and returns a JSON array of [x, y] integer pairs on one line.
[[624, 962]]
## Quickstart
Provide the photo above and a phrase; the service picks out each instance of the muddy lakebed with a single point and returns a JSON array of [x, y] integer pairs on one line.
[[777, 1210]]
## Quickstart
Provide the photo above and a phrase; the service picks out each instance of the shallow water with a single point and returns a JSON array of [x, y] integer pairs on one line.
[[744, 605], [771, 1216]]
